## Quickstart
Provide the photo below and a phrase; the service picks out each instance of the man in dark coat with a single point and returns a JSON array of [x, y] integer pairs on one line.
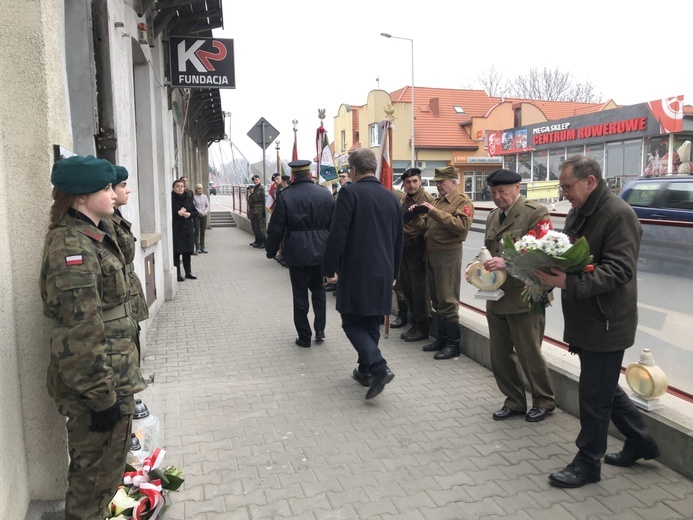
[[600, 310], [301, 218], [362, 256]]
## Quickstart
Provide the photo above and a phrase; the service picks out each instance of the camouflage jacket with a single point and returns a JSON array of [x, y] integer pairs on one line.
[[94, 342], [120, 229], [256, 201]]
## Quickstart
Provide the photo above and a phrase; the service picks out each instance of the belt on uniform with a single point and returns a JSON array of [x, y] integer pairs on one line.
[[129, 268], [117, 312]]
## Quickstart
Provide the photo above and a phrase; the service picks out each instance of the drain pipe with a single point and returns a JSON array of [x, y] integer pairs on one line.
[[106, 141]]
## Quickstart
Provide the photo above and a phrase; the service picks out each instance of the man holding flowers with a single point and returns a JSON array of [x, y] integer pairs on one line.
[[515, 334], [600, 314]]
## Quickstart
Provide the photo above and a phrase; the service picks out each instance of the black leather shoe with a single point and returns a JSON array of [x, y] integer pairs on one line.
[[364, 379], [398, 323], [448, 352], [320, 335], [573, 477], [505, 413], [254, 244], [303, 343], [190, 276], [180, 278], [537, 413], [436, 345], [378, 382], [414, 334], [626, 458]]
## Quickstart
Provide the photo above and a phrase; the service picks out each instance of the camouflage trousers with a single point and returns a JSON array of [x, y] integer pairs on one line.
[[97, 461]]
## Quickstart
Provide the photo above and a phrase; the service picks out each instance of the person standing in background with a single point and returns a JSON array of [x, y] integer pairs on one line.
[[183, 229], [202, 206], [256, 213]]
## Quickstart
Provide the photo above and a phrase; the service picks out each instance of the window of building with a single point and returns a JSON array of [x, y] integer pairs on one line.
[[574, 150], [524, 165], [510, 162], [373, 135], [343, 140], [541, 165], [596, 152], [556, 157], [458, 109], [623, 162]]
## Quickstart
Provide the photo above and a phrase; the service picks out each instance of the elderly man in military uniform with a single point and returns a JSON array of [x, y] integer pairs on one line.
[[515, 334], [412, 271], [256, 213], [447, 225]]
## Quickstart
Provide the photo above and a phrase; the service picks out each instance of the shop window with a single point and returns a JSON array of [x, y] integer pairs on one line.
[[574, 150], [524, 165], [556, 157], [510, 162], [373, 135], [596, 152], [540, 166]]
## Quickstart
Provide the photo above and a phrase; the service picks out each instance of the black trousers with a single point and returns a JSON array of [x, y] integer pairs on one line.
[[304, 279], [601, 399], [364, 333], [186, 261]]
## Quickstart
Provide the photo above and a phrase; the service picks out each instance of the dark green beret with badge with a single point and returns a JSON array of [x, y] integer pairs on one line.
[[449, 172], [79, 175], [121, 174]]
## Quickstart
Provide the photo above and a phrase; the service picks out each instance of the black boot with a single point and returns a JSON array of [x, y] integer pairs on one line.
[[180, 278], [442, 337], [452, 347], [401, 319]]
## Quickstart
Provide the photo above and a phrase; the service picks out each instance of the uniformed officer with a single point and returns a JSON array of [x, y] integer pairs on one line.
[[94, 368], [447, 225], [256, 212], [515, 334], [412, 271], [301, 219], [121, 229]]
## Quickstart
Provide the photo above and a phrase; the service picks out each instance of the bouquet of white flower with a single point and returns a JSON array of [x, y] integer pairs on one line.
[[540, 252]]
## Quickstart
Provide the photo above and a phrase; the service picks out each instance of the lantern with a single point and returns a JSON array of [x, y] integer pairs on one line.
[[145, 426], [135, 454], [647, 381]]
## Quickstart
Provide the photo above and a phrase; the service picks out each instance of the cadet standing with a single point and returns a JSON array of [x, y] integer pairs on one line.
[[447, 225], [256, 212], [301, 220], [94, 368], [515, 334], [412, 272]]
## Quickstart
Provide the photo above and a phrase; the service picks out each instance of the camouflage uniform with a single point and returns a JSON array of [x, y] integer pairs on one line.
[[120, 228], [94, 358], [256, 212]]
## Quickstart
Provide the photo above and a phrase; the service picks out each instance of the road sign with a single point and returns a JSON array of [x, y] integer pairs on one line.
[[263, 133]]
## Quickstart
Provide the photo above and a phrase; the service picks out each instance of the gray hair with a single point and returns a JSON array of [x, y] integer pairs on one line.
[[363, 161]]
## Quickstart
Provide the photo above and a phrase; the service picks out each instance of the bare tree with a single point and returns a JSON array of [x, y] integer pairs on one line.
[[493, 82]]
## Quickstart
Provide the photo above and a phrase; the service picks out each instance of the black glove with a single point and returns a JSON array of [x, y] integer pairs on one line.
[[105, 420]]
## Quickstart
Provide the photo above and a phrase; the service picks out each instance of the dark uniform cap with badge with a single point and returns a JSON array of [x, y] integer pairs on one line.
[[410, 172], [299, 166], [275, 175], [255, 177], [121, 174], [449, 172], [502, 177], [79, 175]]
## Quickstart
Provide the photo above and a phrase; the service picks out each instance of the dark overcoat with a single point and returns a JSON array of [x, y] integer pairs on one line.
[[364, 247], [301, 216], [183, 228]]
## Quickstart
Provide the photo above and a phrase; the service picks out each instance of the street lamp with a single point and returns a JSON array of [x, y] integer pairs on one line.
[[413, 152]]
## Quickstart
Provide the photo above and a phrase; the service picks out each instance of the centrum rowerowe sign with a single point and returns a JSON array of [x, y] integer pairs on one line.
[[201, 62]]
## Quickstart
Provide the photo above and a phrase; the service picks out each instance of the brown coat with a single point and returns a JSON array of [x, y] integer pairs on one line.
[[448, 224]]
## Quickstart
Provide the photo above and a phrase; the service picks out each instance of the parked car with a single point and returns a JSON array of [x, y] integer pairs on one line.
[[212, 189], [661, 198]]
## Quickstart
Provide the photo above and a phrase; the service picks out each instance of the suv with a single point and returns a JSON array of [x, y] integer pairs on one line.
[[661, 198]]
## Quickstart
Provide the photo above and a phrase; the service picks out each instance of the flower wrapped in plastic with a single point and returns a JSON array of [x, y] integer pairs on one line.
[[143, 493], [540, 251]]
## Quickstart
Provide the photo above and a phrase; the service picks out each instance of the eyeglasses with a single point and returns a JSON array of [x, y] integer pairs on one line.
[[568, 187]]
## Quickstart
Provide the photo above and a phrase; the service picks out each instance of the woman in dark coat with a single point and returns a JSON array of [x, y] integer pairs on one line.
[[183, 228]]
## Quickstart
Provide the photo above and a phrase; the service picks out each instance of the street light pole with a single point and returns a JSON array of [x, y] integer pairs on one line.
[[410, 40]]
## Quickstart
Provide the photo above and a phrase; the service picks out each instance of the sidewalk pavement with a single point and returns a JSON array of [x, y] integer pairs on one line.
[[264, 429]]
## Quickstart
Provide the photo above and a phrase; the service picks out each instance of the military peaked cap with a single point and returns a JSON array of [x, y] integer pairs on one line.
[[299, 166]]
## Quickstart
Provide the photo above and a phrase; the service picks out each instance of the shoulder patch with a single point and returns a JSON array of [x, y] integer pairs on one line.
[[467, 210], [74, 260]]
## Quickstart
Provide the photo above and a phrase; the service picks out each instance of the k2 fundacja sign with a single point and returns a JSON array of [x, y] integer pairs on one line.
[[202, 62]]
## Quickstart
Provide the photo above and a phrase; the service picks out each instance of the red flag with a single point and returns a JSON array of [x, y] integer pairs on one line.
[[384, 171], [294, 155]]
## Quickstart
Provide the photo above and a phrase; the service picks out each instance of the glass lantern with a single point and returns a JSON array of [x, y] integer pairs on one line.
[[145, 426], [135, 454], [647, 381]]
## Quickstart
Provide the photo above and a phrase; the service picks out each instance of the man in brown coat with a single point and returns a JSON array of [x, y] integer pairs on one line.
[[447, 224]]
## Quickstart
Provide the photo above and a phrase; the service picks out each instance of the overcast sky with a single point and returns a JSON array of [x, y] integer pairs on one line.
[[292, 58]]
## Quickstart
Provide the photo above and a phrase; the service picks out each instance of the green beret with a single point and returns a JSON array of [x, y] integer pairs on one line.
[[121, 174], [502, 177], [449, 172], [79, 175]]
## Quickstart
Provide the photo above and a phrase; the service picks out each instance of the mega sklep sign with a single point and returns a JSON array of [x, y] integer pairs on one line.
[[201, 62]]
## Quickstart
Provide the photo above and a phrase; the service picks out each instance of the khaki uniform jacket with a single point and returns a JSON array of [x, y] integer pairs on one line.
[[415, 229], [120, 228], [448, 225], [94, 356], [522, 216]]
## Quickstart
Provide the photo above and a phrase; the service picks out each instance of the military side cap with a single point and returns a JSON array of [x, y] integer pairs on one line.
[[299, 166], [501, 177], [121, 174], [449, 172], [410, 172], [79, 175]]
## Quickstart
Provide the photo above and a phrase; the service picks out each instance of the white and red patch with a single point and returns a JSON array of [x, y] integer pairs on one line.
[[467, 211], [74, 260]]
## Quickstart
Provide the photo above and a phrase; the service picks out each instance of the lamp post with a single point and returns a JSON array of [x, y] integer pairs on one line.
[[413, 152]]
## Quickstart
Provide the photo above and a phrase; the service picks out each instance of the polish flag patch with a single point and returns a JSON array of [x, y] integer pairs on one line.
[[74, 260]]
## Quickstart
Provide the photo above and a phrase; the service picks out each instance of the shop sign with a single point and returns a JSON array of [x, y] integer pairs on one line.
[[201, 62], [476, 160]]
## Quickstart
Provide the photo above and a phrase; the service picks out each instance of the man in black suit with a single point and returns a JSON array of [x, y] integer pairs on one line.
[[301, 218], [362, 256]]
